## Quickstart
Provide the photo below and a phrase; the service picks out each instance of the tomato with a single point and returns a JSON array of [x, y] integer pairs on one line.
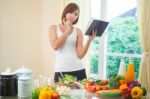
[[88, 84], [97, 87], [104, 81], [91, 89], [104, 88], [55, 95]]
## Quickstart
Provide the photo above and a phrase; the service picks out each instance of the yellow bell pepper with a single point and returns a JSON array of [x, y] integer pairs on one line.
[[136, 93], [45, 94]]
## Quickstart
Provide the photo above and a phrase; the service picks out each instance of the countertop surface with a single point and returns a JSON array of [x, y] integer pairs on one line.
[[76, 94]]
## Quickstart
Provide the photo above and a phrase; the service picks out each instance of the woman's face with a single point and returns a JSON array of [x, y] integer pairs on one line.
[[72, 17]]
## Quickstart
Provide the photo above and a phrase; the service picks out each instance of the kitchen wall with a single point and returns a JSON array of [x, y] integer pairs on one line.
[[24, 34]]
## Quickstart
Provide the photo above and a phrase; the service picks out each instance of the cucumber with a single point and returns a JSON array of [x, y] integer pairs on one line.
[[111, 93]]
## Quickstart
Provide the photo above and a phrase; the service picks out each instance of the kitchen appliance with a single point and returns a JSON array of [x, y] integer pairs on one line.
[[24, 71], [24, 81], [8, 83], [24, 86]]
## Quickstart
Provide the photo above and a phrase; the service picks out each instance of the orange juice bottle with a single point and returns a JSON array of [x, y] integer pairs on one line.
[[130, 72]]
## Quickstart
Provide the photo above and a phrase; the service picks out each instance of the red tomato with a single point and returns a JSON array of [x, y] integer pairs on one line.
[[88, 84], [104, 88], [55, 95], [91, 89], [97, 87], [105, 81]]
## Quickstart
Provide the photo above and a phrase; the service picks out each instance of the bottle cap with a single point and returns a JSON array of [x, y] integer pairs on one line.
[[23, 69], [130, 60]]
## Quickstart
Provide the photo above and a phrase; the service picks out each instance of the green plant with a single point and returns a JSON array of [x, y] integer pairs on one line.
[[122, 37]]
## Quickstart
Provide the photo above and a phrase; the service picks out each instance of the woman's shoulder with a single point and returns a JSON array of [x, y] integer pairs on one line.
[[78, 30]]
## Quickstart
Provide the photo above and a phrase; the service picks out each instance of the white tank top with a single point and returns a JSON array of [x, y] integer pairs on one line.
[[66, 56]]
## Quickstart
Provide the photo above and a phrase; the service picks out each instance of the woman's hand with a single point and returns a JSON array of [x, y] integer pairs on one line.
[[91, 37], [67, 26]]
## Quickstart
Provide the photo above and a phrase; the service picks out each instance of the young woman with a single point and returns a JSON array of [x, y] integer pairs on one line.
[[67, 41]]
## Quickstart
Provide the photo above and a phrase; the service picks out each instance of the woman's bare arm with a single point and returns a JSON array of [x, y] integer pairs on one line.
[[82, 49], [54, 40]]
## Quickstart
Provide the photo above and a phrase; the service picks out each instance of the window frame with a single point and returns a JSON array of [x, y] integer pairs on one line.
[[103, 42]]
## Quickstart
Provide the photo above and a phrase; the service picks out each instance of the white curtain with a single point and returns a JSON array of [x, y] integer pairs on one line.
[[144, 26]]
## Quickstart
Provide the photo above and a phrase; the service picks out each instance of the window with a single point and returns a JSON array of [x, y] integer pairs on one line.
[[120, 40]]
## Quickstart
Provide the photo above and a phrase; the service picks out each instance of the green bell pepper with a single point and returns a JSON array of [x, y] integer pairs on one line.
[[35, 94]]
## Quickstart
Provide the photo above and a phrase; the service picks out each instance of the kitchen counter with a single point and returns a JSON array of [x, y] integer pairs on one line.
[[12, 97], [79, 94]]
